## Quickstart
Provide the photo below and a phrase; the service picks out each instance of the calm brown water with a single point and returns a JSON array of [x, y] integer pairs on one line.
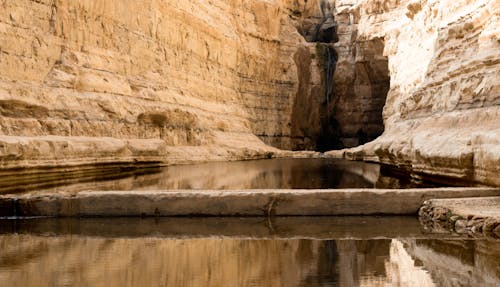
[[256, 174], [191, 252], [348, 251]]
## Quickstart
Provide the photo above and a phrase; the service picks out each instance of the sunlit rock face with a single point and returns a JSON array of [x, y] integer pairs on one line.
[[442, 114], [85, 81]]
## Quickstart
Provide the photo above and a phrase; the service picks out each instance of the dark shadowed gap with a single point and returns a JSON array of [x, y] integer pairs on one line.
[[312, 121], [345, 108], [354, 116]]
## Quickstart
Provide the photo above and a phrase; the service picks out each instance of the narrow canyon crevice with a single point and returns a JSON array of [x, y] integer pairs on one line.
[[343, 86], [312, 126]]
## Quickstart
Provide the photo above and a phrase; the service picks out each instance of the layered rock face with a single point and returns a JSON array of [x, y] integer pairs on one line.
[[442, 114], [109, 81]]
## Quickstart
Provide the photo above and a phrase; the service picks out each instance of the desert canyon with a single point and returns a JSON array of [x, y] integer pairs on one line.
[[102, 83], [128, 131]]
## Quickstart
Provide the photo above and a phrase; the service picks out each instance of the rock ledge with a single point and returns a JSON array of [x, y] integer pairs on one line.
[[476, 217]]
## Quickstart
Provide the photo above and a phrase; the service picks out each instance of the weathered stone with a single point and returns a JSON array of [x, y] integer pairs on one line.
[[490, 224], [478, 216], [496, 231], [454, 218], [442, 110], [233, 202], [477, 228], [440, 213], [461, 226]]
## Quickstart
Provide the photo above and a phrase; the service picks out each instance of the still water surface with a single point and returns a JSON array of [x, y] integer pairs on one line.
[[255, 174], [347, 251], [227, 252]]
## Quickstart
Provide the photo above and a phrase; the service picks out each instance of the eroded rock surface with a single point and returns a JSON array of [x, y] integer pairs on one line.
[[467, 216], [90, 81], [442, 113]]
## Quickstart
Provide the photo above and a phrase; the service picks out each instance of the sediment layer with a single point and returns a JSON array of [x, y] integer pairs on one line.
[[97, 82]]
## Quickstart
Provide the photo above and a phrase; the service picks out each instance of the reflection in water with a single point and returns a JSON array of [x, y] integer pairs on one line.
[[458, 262], [65, 261], [38, 257], [256, 174]]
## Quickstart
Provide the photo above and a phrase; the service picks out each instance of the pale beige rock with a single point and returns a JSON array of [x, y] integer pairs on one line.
[[442, 114], [87, 81], [98, 81]]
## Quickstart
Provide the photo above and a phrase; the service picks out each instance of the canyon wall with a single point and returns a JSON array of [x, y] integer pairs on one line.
[[86, 82], [442, 113]]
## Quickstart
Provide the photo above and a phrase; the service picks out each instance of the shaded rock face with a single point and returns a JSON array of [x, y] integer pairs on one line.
[[343, 84], [361, 82], [313, 126]]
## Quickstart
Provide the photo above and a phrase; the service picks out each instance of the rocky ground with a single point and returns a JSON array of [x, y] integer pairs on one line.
[[476, 217]]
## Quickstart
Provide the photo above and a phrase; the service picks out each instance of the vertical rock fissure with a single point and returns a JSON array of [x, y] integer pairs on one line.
[[371, 86], [313, 126], [329, 128], [330, 70], [318, 29], [343, 86]]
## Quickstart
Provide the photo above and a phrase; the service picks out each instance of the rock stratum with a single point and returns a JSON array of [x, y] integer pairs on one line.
[[111, 82]]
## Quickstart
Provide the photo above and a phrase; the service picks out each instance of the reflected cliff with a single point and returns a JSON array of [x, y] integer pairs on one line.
[[300, 251], [43, 253]]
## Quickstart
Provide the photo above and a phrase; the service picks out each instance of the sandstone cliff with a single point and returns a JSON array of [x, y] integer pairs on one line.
[[442, 113], [111, 81]]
